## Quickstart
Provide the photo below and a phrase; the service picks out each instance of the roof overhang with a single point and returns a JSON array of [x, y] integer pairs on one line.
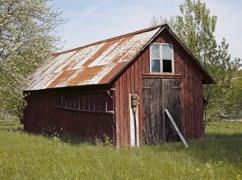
[[144, 38]]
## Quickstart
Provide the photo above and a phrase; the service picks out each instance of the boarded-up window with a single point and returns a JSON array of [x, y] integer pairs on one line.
[[94, 102]]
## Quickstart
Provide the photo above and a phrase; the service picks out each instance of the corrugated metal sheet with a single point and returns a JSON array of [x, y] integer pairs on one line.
[[92, 64]]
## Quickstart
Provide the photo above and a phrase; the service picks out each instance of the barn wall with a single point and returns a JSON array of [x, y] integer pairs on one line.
[[41, 113], [130, 81]]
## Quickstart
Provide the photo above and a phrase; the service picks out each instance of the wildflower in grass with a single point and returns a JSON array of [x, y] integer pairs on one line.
[[210, 168], [208, 165], [238, 177], [56, 139]]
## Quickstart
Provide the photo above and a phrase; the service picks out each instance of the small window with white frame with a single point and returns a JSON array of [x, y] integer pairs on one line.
[[161, 58]]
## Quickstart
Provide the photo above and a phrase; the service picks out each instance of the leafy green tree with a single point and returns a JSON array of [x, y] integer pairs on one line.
[[195, 26], [26, 39], [235, 102]]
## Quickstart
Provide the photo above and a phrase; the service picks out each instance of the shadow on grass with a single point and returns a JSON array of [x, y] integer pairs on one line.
[[76, 140], [218, 147]]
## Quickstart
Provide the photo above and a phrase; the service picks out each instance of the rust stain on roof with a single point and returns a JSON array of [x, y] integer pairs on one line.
[[85, 75], [112, 73], [96, 63], [70, 65], [98, 53], [61, 78]]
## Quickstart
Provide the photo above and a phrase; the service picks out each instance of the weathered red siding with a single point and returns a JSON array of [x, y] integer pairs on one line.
[[42, 112], [131, 82], [41, 109]]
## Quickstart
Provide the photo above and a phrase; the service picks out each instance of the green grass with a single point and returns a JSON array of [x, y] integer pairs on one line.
[[217, 156]]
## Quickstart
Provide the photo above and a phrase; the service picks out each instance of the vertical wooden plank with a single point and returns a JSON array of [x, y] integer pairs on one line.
[[117, 112], [182, 99], [196, 106], [192, 103], [144, 63], [140, 89], [188, 102], [121, 108], [128, 82], [125, 110], [146, 110], [132, 75]]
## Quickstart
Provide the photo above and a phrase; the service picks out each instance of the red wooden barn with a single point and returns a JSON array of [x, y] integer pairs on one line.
[[119, 88]]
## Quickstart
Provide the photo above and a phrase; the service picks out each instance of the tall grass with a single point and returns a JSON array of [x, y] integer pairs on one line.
[[217, 156]]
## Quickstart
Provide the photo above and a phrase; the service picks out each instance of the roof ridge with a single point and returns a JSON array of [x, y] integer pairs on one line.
[[112, 38]]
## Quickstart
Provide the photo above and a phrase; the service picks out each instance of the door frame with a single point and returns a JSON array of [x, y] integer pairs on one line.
[[164, 92]]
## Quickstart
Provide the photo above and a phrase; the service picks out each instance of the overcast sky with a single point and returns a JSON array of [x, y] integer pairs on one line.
[[93, 20]]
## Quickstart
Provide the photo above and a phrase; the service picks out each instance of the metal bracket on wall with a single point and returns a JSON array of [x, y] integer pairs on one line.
[[176, 128], [109, 94], [176, 87]]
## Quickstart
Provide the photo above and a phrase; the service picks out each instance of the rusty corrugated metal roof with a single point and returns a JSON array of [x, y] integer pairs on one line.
[[92, 64]]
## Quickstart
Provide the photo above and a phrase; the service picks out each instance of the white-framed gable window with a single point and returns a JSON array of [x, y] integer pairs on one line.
[[161, 58]]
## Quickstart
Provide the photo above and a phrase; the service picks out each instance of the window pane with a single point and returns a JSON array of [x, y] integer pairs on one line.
[[167, 51], [155, 65], [167, 66], [155, 52]]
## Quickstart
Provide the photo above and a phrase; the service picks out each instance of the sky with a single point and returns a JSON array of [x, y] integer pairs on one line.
[[87, 21]]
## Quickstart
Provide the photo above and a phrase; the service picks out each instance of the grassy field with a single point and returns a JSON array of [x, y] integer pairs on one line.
[[217, 156]]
